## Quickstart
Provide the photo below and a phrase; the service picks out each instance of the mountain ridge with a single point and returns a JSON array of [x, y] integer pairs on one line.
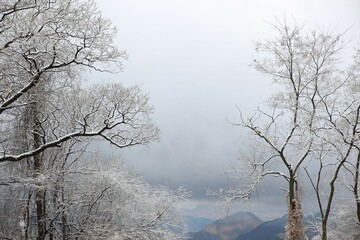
[[228, 228], [247, 226]]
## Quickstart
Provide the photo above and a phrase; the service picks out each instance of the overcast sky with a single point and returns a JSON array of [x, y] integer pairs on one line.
[[192, 57]]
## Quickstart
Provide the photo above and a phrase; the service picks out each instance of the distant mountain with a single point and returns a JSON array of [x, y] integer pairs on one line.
[[195, 224], [228, 228], [273, 230], [270, 230]]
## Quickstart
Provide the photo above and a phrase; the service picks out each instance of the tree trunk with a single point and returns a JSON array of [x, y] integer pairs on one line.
[[41, 213], [38, 167], [40, 202], [324, 230], [63, 215], [356, 186], [295, 228], [52, 226]]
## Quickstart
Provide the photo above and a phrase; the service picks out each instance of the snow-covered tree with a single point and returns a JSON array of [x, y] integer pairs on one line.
[[45, 47], [343, 223], [299, 126], [90, 197]]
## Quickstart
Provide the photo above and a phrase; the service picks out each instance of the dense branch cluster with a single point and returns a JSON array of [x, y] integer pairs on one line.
[[44, 46], [49, 189]]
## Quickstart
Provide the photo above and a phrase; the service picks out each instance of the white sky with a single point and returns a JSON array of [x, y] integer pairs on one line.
[[192, 57]]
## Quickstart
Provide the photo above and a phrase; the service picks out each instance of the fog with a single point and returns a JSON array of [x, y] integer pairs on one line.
[[193, 59]]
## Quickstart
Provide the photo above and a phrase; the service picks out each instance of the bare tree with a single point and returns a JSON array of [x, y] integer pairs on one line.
[[306, 66], [46, 44], [337, 157], [352, 119], [44, 47]]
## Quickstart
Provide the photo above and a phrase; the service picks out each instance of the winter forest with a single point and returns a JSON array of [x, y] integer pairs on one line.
[[55, 184]]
